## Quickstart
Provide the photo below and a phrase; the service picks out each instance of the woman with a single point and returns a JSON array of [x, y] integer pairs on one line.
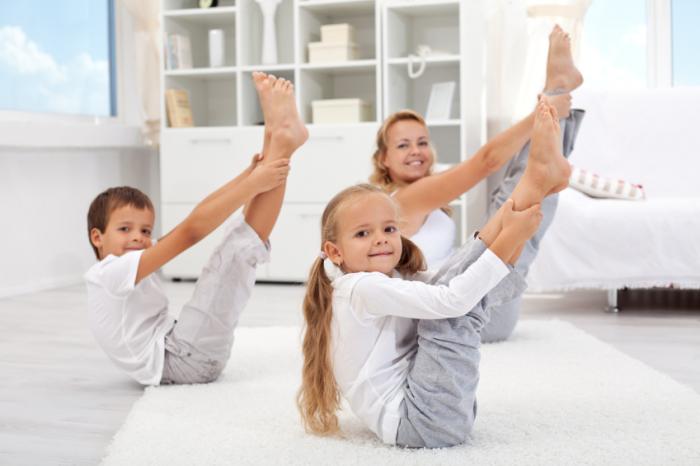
[[404, 157]]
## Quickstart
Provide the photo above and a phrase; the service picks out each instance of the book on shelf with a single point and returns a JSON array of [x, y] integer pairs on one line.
[[178, 52], [177, 104]]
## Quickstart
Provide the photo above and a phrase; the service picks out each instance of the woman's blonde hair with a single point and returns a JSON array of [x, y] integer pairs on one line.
[[380, 175], [319, 398]]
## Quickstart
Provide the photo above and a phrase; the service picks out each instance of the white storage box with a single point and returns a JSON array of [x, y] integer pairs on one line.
[[339, 33], [324, 52], [340, 111]]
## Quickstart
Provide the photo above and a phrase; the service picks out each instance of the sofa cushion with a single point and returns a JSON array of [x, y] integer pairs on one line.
[[610, 244]]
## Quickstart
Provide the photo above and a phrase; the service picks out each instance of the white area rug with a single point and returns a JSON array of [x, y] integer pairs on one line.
[[551, 395]]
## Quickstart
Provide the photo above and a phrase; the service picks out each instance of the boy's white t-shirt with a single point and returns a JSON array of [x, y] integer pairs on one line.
[[374, 334], [129, 321]]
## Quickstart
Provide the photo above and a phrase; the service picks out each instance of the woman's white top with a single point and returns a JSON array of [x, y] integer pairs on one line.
[[129, 321], [436, 238], [374, 338]]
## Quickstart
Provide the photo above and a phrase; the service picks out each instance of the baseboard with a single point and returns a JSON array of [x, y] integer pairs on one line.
[[40, 285]]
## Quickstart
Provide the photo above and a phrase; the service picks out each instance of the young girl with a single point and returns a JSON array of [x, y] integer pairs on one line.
[[412, 383], [404, 158]]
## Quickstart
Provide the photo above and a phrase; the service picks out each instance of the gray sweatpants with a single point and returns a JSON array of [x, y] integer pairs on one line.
[[439, 405], [505, 317], [199, 345]]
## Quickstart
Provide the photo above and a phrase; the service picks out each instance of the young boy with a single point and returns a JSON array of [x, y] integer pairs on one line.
[[128, 309]]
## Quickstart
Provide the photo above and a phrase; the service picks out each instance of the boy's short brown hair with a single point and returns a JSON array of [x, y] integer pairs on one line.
[[108, 201]]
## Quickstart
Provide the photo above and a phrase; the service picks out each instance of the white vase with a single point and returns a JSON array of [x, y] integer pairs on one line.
[[216, 48], [269, 39]]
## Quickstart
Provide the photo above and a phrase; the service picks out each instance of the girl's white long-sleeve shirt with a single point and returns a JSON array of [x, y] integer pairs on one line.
[[374, 335]]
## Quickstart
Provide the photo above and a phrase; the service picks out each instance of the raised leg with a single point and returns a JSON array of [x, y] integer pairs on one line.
[[504, 318], [284, 133], [199, 346]]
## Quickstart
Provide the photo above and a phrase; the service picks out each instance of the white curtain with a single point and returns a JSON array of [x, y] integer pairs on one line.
[[146, 49], [518, 40]]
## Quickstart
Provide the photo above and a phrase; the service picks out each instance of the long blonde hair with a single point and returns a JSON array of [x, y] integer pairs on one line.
[[319, 398]]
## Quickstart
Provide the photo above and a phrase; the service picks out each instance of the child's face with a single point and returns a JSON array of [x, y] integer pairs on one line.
[[368, 237], [128, 229], [409, 155]]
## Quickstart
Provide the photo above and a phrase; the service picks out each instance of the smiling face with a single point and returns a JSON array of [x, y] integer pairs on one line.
[[409, 155], [367, 235], [128, 229]]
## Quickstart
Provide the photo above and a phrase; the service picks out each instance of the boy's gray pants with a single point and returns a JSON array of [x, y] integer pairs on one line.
[[505, 317], [439, 406], [199, 345], [439, 403]]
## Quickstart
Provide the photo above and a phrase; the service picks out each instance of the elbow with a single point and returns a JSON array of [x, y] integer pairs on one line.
[[489, 162], [191, 232]]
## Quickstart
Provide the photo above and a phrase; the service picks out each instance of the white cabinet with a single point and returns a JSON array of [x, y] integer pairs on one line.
[[295, 241], [228, 120]]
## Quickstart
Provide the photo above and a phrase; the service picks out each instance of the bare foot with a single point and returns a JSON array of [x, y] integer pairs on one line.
[[282, 121], [562, 74], [547, 167]]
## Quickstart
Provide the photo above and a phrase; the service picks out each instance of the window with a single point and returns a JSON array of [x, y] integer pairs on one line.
[[685, 42], [58, 57], [614, 46]]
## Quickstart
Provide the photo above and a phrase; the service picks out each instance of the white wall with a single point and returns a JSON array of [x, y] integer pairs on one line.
[[44, 197], [51, 170]]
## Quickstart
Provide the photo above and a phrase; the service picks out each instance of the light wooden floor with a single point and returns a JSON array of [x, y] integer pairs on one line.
[[61, 401]]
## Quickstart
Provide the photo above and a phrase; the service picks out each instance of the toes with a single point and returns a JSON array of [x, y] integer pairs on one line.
[[259, 77]]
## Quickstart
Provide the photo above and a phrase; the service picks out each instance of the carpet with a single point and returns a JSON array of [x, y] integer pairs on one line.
[[551, 395]]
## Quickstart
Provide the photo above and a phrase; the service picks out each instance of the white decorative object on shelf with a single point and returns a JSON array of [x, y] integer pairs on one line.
[[343, 32], [340, 111], [421, 52], [440, 102], [269, 43], [216, 48], [320, 52]]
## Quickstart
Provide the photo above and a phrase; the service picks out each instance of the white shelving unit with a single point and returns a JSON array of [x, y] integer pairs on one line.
[[228, 120]]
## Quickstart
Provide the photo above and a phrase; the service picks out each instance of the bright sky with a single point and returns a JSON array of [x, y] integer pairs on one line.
[[613, 53], [686, 42], [54, 56]]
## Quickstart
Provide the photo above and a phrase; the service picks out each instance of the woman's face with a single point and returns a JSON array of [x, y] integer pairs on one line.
[[409, 156]]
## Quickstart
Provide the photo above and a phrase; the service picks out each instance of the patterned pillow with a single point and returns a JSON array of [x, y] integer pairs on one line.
[[598, 186]]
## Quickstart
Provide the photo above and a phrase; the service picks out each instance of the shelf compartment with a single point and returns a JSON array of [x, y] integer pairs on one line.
[[251, 30], [212, 97], [332, 83], [447, 143], [359, 14], [198, 32], [251, 111], [410, 25], [404, 92], [190, 5]]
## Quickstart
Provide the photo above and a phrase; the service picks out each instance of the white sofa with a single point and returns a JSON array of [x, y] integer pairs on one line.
[[649, 137]]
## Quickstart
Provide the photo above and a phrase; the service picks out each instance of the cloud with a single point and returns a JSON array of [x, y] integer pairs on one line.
[[79, 86]]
